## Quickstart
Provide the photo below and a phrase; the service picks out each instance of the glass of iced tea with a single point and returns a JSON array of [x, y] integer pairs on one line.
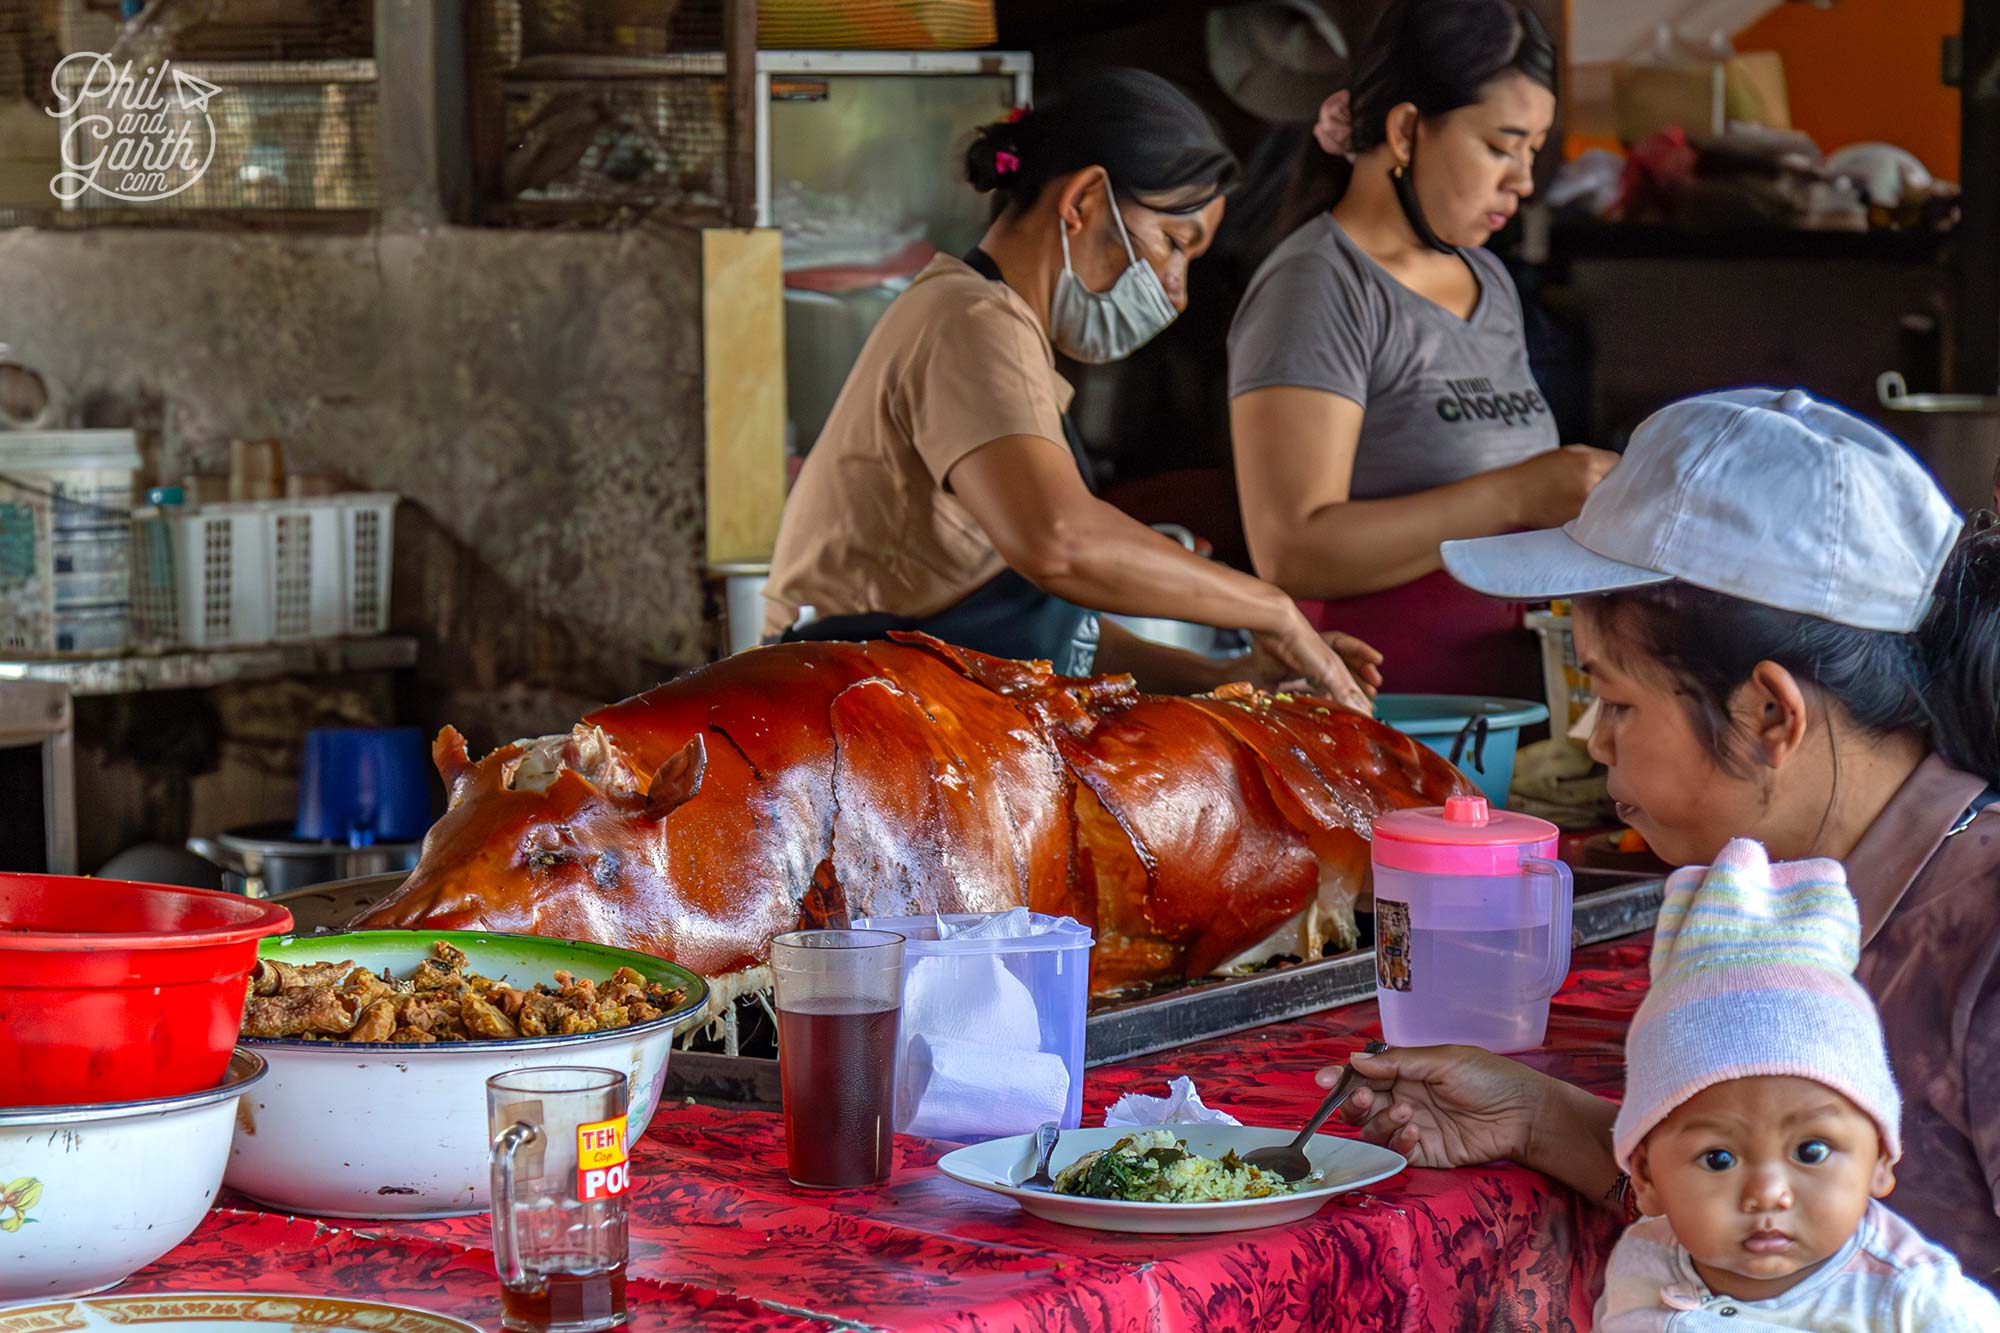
[[840, 1002], [560, 1176]]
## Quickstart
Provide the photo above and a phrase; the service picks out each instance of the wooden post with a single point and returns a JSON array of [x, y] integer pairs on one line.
[[423, 139], [1975, 364], [739, 46]]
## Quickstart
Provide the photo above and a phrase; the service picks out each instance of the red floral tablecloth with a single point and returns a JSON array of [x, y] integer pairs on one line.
[[720, 1240]]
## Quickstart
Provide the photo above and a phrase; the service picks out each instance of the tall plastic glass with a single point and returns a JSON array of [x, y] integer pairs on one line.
[[840, 1000], [561, 1173]]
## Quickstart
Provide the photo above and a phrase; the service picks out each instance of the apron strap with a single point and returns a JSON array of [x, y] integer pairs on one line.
[[1006, 616]]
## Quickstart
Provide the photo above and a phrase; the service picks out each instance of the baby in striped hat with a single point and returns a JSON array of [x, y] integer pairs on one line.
[[1760, 1124]]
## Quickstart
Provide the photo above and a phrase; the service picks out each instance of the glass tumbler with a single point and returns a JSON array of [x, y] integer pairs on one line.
[[840, 1003]]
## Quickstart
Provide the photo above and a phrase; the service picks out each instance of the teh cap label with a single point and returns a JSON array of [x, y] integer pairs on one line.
[[602, 1170]]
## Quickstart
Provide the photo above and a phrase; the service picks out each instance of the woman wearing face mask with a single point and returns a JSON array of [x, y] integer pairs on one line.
[[1381, 401], [945, 493], [1790, 641]]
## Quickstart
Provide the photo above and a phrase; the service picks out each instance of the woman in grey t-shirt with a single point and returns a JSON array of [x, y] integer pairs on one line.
[[1381, 401]]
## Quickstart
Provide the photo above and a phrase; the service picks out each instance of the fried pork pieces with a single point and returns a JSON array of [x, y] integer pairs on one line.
[[443, 1000]]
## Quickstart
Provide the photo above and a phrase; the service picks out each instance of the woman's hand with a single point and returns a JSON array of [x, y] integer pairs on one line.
[[1266, 672], [1446, 1105], [1461, 1106], [1549, 489], [1298, 651]]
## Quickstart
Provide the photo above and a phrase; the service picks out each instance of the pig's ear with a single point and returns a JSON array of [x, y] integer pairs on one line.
[[453, 765], [677, 780]]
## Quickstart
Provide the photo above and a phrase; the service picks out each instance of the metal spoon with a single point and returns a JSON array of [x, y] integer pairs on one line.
[[1045, 1146], [1290, 1162]]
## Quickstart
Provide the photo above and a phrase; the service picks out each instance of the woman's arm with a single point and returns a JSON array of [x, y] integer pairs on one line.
[[1025, 493], [1295, 452], [1443, 1106]]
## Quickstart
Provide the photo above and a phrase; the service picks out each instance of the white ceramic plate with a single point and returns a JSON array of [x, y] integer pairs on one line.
[[224, 1312], [1343, 1165]]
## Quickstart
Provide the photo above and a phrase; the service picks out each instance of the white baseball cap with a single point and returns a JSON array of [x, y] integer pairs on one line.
[[1768, 495]]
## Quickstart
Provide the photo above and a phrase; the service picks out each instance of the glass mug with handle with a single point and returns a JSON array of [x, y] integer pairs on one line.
[[561, 1176]]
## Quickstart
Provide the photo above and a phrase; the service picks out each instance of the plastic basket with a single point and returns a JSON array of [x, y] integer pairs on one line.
[[262, 571], [368, 546], [1563, 678]]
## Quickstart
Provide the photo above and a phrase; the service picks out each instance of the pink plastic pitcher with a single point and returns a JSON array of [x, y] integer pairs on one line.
[[1472, 925]]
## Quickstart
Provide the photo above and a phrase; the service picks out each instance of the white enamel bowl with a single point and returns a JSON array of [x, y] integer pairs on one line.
[[89, 1195], [1343, 1164], [387, 1129]]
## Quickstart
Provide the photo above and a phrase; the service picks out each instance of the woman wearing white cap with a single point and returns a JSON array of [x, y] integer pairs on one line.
[[1790, 641]]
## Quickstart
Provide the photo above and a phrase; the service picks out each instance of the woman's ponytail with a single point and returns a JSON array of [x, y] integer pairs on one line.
[[1960, 643]]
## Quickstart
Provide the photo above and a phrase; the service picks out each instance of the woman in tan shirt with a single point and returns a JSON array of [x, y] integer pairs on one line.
[[1790, 640], [945, 493]]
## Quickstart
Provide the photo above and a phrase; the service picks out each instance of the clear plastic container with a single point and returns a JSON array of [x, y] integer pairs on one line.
[[993, 1028], [1472, 926]]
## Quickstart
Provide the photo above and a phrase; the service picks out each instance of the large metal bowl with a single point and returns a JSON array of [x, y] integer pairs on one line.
[[385, 1129]]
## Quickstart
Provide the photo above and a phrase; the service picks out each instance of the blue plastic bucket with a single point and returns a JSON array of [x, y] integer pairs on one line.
[[364, 785], [1439, 721]]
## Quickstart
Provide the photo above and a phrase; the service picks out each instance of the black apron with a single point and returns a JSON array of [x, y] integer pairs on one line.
[[1006, 616]]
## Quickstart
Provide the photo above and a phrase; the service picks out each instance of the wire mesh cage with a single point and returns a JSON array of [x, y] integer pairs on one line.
[[602, 112], [188, 109]]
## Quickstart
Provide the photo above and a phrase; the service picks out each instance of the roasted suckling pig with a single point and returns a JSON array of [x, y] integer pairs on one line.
[[808, 784]]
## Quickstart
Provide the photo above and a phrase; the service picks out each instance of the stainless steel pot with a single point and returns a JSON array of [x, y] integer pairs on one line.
[[264, 860], [1957, 435]]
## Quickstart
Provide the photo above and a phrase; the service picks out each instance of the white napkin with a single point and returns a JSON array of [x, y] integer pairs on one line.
[[962, 1090], [1181, 1106]]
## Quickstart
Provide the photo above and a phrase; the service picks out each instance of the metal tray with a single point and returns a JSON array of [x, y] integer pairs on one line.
[[1609, 905]]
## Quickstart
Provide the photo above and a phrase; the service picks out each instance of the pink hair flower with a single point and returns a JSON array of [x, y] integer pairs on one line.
[[1005, 163]]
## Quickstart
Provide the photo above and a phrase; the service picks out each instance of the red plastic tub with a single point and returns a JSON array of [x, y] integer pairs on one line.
[[112, 991]]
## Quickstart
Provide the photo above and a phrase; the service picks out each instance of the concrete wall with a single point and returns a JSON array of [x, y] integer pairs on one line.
[[536, 397]]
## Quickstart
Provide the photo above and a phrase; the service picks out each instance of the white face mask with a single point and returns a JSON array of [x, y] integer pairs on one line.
[[1095, 327]]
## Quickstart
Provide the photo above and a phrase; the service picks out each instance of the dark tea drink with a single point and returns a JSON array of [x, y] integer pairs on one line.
[[840, 1004], [837, 1058], [561, 1299]]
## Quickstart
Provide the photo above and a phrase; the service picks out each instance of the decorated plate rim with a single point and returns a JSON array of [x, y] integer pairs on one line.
[[241, 1307]]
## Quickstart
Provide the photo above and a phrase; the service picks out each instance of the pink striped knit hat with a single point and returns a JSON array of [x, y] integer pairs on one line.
[[1753, 973]]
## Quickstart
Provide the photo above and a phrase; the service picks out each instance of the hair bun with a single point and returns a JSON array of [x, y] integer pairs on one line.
[[994, 155]]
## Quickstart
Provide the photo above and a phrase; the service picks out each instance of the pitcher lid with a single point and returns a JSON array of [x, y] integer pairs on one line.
[[1463, 821]]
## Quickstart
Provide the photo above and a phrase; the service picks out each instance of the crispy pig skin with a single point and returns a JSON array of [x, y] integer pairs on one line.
[[809, 784], [297, 1013]]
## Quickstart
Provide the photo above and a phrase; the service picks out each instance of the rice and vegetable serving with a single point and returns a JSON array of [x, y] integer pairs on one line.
[[1152, 1166]]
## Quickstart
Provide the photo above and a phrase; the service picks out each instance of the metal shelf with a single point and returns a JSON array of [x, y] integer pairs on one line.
[[138, 673]]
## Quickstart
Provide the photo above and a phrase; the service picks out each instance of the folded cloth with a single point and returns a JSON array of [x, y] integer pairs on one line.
[[1181, 1106], [960, 1090]]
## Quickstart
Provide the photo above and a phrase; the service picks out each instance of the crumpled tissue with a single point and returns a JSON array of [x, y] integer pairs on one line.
[[1181, 1106]]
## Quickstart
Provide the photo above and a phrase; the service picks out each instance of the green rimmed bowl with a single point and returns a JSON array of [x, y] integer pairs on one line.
[[387, 1129]]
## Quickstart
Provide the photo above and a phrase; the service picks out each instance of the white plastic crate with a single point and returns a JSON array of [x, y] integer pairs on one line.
[[259, 571], [368, 546]]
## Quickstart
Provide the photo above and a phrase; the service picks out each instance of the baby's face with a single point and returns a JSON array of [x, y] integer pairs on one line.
[[1763, 1180]]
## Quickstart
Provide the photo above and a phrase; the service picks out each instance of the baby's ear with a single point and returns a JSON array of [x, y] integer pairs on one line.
[[1885, 1177], [1644, 1192]]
